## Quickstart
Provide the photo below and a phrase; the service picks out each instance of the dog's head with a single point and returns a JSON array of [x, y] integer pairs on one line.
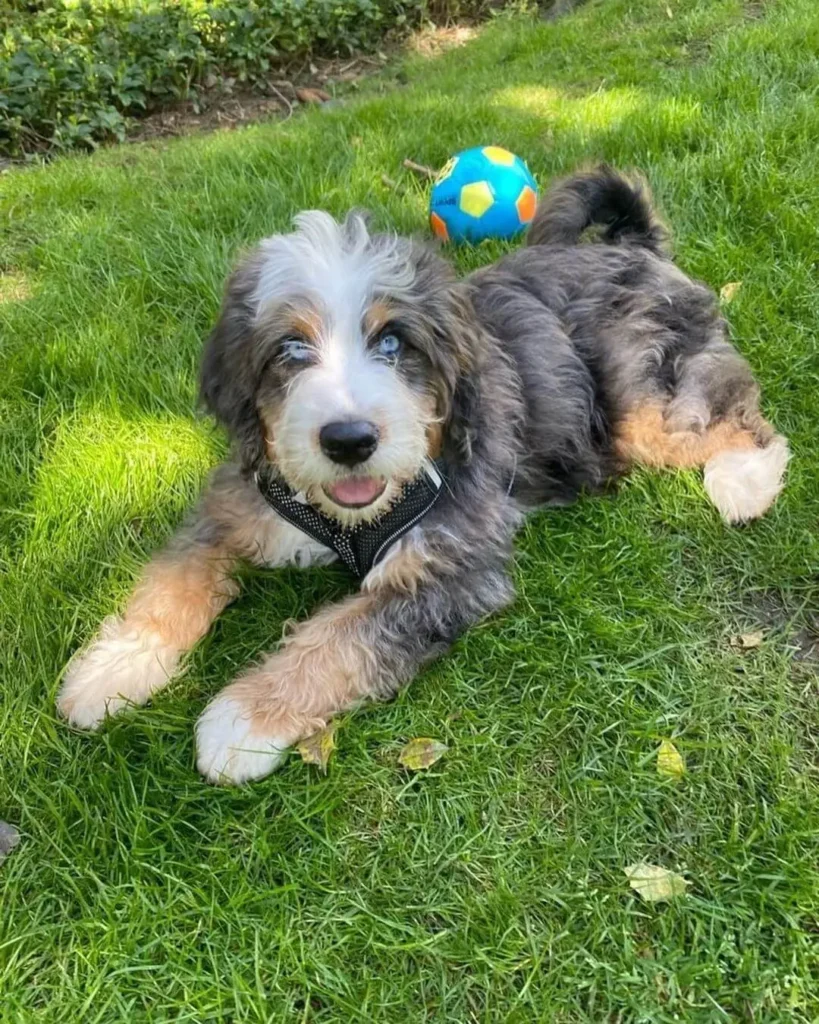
[[345, 359]]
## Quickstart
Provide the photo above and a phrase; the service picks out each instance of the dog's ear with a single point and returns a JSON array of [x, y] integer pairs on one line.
[[467, 345], [463, 421], [228, 376]]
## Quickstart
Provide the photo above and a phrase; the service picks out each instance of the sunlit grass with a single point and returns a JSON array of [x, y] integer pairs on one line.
[[490, 889]]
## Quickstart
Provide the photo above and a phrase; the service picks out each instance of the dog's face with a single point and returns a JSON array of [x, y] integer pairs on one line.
[[346, 360]]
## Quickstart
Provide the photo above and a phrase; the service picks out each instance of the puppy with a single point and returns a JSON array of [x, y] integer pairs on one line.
[[387, 414]]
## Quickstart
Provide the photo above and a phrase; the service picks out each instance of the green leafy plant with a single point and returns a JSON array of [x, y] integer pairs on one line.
[[73, 73]]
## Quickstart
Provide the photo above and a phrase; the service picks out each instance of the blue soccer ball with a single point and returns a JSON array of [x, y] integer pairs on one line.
[[485, 192]]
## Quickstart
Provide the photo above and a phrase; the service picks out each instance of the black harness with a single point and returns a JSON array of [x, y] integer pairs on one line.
[[363, 546]]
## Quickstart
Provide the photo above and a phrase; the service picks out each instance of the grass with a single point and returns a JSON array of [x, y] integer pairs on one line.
[[491, 888]]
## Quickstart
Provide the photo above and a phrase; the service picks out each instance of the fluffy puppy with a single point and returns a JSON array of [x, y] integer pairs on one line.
[[344, 365]]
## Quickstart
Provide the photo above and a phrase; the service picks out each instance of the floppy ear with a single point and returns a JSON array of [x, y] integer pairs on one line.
[[456, 344], [467, 343], [228, 376], [463, 427]]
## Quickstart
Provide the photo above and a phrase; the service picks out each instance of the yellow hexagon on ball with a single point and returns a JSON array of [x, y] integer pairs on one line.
[[485, 192]]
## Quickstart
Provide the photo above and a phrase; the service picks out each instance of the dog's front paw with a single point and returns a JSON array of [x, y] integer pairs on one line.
[[120, 667], [235, 743]]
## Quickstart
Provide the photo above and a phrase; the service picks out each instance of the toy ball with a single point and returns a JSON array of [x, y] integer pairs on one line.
[[486, 192]]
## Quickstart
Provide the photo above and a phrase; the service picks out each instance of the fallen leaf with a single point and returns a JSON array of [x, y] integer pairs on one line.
[[655, 884], [729, 291], [747, 641], [318, 748], [669, 12], [9, 838], [421, 753], [306, 95], [669, 760]]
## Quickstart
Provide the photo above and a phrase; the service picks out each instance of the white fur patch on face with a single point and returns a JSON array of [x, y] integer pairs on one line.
[[227, 751], [339, 263], [357, 389], [336, 272], [744, 484], [120, 667]]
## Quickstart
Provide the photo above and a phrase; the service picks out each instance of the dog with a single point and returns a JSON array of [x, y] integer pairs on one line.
[[385, 413]]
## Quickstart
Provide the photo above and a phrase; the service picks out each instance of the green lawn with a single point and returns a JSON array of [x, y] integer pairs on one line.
[[491, 888]]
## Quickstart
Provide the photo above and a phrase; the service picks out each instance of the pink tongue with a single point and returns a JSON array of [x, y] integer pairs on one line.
[[357, 490]]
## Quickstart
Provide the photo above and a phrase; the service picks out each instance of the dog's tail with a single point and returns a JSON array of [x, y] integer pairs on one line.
[[620, 206]]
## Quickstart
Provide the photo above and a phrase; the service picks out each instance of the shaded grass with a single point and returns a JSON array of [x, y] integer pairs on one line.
[[491, 888]]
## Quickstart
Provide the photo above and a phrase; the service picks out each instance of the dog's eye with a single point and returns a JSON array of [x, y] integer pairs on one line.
[[295, 350], [389, 345]]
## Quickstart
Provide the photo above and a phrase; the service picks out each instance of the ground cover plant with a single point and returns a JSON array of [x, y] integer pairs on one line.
[[490, 886], [77, 72]]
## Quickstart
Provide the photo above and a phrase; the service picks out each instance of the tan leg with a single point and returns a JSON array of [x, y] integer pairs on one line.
[[646, 436], [180, 594], [135, 655], [744, 462], [325, 666]]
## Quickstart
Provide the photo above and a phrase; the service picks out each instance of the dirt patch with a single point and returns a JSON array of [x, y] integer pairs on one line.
[[187, 118], [433, 41], [755, 10], [9, 839], [560, 8], [223, 105], [770, 612], [318, 82], [806, 641]]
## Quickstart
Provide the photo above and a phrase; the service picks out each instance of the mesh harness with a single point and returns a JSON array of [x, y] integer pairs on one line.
[[363, 546]]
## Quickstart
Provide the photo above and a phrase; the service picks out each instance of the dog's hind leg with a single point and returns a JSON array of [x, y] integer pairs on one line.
[[711, 419]]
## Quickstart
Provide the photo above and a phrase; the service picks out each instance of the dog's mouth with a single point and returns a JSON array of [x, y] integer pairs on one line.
[[356, 491]]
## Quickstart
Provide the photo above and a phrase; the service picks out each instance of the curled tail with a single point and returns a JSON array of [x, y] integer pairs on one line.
[[620, 206]]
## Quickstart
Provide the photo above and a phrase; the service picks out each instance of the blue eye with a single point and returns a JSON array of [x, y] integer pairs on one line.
[[389, 345], [295, 350]]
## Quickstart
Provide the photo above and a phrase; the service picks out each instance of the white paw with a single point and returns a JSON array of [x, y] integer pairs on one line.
[[744, 484], [228, 750], [119, 668]]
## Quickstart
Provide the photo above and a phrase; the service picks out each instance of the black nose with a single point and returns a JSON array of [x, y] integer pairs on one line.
[[349, 442]]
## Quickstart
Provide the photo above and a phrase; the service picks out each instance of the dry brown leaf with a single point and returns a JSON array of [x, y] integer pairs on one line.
[[729, 291], [670, 761], [312, 95], [747, 641], [421, 753], [318, 748], [655, 884]]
